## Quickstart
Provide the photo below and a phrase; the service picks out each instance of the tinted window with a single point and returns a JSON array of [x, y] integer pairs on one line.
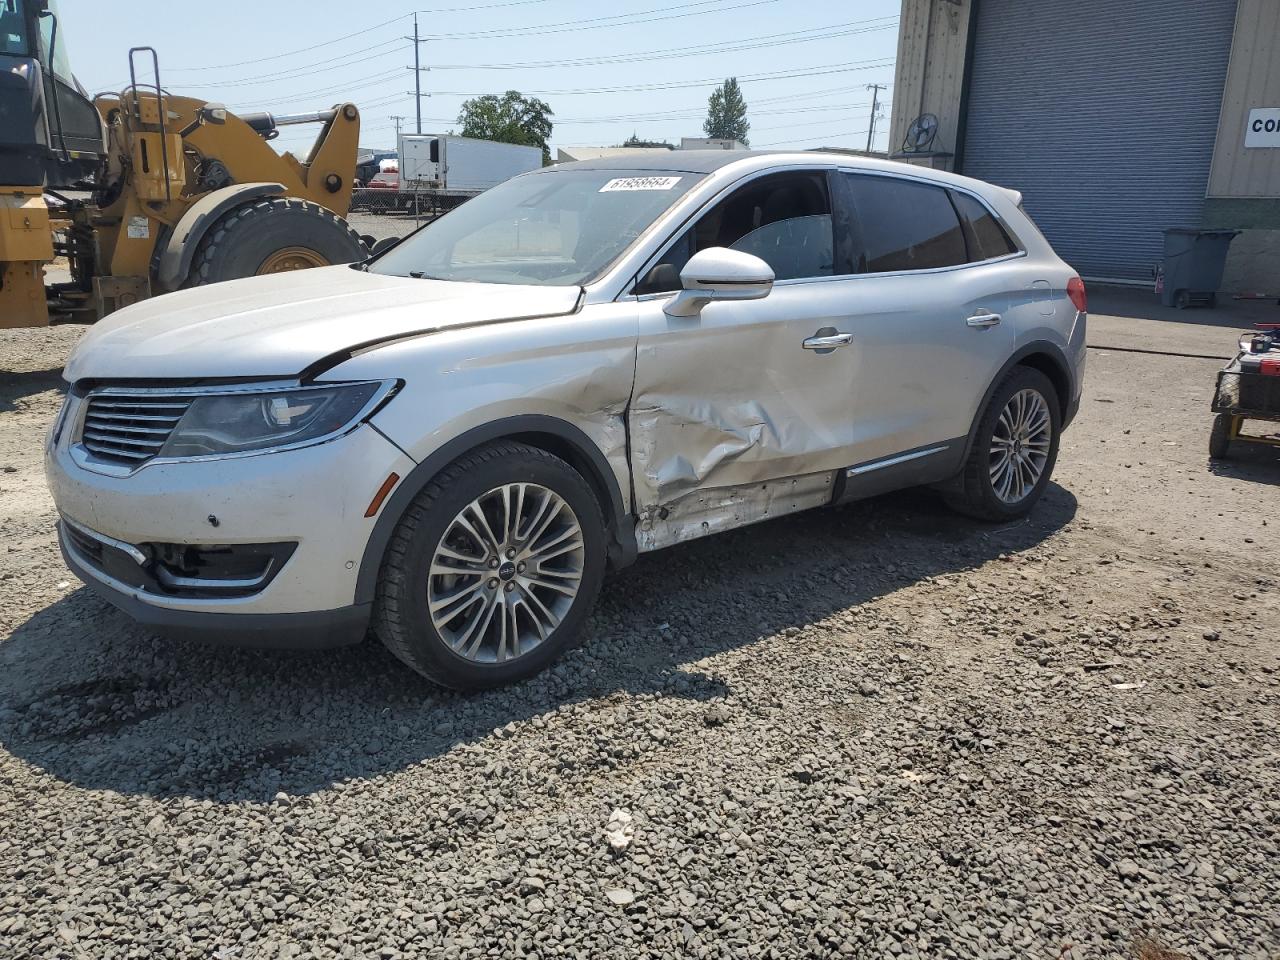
[[987, 238], [784, 219], [904, 225]]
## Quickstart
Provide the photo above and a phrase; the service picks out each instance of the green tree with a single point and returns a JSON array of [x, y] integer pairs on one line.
[[727, 113], [509, 118]]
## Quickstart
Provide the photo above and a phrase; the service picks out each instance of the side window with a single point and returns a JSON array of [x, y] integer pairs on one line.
[[987, 239], [904, 225], [784, 219], [13, 31]]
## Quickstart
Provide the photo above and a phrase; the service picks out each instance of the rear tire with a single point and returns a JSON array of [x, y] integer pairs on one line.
[[985, 490], [1220, 436], [272, 235], [503, 616]]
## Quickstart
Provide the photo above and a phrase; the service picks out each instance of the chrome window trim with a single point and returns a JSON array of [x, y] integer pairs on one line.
[[850, 277], [80, 454]]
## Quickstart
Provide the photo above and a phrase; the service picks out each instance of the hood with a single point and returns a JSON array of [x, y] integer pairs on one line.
[[278, 325]]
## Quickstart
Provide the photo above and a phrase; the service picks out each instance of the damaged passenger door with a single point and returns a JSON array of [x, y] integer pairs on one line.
[[742, 410]]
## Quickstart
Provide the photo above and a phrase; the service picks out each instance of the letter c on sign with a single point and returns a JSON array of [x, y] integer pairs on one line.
[[1257, 125]]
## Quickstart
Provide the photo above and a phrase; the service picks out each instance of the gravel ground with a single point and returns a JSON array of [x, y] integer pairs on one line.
[[875, 731]]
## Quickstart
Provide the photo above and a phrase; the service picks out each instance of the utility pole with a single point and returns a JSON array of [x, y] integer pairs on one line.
[[417, 69], [875, 89], [396, 118]]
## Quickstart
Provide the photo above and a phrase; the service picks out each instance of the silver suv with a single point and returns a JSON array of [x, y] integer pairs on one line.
[[452, 441]]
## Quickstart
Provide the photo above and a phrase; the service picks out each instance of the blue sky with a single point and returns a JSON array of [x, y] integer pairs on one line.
[[606, 70]]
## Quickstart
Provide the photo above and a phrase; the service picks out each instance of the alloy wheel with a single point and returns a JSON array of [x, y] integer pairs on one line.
[[506, 572], [1020, 445]]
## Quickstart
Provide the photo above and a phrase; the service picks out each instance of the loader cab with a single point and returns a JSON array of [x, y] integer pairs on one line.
[[50, 132]]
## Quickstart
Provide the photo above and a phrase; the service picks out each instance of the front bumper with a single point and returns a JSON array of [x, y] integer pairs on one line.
[[313, 498], [293, 631]]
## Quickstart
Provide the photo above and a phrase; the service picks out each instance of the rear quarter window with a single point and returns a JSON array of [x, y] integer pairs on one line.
[[987, 239]]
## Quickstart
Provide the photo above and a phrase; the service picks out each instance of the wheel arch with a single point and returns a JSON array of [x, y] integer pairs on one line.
[[180, 245], [555, 436], [1044, 356]]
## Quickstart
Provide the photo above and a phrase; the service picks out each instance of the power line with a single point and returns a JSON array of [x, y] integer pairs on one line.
[[632, 19], [293, 73], [745, 43], [564, 26], [824, 136], [697, 113], [356, 33], [848, 66], [792, 126], [828, 32], [291, 53]]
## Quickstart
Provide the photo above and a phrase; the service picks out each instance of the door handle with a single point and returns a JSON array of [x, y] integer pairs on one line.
[[983, 320], [828, 342]]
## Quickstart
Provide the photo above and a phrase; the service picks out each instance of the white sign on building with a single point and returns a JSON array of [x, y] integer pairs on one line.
[[1263, 127]]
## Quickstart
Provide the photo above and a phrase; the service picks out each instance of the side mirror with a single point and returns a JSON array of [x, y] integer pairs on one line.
[[718, 273]]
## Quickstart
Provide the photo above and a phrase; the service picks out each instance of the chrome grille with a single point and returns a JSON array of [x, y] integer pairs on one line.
[[130, 428]]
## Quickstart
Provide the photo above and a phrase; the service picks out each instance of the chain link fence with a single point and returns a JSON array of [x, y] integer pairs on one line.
[[378, 213]]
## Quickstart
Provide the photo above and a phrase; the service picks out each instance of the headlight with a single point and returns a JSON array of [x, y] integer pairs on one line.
[[258, 420]]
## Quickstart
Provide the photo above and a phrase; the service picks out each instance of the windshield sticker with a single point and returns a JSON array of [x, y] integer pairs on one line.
[[640, 183]]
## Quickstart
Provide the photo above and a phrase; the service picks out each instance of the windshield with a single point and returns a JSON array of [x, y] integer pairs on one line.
[[13, 29], [557, 228]]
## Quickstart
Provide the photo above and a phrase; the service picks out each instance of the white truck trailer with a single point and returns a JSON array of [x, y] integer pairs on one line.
[[451, 165]]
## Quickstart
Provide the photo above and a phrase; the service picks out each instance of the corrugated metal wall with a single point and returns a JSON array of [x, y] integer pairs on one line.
[[1103, 113]]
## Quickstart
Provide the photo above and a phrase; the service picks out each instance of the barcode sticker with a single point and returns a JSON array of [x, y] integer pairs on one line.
[[640, 183]]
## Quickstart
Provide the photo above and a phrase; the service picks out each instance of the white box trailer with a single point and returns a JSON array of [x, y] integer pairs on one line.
[[461, 164]]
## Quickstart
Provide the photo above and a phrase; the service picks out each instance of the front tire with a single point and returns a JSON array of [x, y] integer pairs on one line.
[[493, 568], [1220, 436], [272, 236], [1014, 450]]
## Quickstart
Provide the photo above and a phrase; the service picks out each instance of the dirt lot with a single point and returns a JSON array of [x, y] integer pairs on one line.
[[877, 731]]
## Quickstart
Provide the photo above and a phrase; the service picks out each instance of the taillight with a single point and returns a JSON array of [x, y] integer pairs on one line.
[[1075, 290], [1270, 367]]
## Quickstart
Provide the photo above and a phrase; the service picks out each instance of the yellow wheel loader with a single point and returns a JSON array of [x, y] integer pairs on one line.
[[144, 192]]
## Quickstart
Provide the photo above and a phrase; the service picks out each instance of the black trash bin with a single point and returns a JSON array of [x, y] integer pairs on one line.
[[1193, 265]]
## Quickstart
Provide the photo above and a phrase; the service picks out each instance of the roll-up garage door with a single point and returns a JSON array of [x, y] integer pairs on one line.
[[1103, 113]]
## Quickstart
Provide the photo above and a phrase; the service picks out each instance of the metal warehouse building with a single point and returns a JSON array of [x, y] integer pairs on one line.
[[1116, 119]]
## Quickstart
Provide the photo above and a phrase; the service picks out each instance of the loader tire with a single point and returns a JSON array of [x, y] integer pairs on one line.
[[273, 235]]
